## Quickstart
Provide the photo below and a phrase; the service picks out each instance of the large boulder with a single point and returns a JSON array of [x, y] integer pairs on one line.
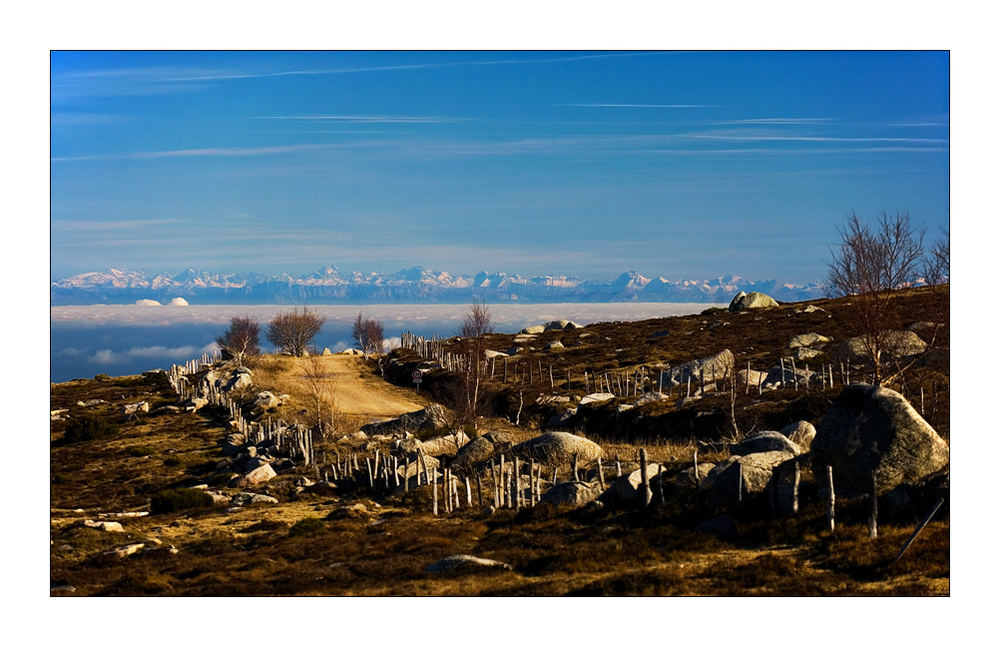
[[870, 428], [432, 417], [266, 400], [449, 444], [570, 494], [558, 447], [561, 324], [257, 475], [719, 365], [745, 301], [756, 471], [801, 433], [472, 453], [238, 381], [898, 343], [764, 441]]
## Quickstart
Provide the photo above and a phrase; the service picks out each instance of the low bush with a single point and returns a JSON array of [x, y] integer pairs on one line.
[[179, 499], [307, 526], [89, 428]]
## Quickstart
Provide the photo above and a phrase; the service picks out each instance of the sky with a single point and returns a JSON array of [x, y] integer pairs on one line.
[[687, 165]]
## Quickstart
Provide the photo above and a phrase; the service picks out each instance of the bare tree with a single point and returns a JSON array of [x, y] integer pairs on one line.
[[241, 339], [476, 324], [369, 336], [320, 390], [868, 265], [937, 265], [292, 332]]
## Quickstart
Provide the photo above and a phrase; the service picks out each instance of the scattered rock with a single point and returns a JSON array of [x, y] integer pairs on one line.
[[570, 494], [466, 563], [757, 470], [266, 400], [685, 478], [719, 364], [596, 397], [558, 447], [472, 453], [257, 475], [560, 324], [627, 489], [898, 343], [125, 551], [801, 433], [248, 498], [106, 526], [556, 345], [870, 428], [745, 301], [764, 441], [490, 354], [449, 444], [90, 403], [532, 330], [808, 339], [432, 417]]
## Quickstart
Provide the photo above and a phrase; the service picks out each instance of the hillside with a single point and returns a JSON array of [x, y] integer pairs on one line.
[[328, 531]]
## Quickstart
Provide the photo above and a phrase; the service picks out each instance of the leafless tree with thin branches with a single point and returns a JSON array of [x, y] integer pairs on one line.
[[476, 324], [869, 263], [292, 332], [369, 336], [241, 339], [937, 265]]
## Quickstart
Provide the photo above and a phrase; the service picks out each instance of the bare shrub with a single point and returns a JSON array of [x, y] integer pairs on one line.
[[869, 263], [293, 332], [476, 324], [369, 336], [241, 339]]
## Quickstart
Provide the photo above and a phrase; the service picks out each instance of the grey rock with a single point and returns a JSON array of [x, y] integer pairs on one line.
[[627, 489], [684, 480], [870, 428], [721, 364], [472, 453], [570, 494], [801, 433], [764, 441], [558, 447], [432, 417], [591, 398], [898, 343], [449, 444], [248, 498], [466, 563], [757, 470], [745, 301], [257, 475], [808, 339]]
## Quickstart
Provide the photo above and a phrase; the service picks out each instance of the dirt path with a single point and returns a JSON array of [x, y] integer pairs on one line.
[[349, 384]]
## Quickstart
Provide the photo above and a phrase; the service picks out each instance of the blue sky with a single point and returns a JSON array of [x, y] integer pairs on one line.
[[679, 164]]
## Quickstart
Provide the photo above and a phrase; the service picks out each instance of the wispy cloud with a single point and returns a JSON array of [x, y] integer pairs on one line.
[[807, 138], [238, 151], [635, 105], [111, 225], [779, 121], [372, 119]]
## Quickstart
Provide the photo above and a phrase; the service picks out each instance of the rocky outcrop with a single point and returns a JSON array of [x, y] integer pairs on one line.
[[874, 429], [898, 343]]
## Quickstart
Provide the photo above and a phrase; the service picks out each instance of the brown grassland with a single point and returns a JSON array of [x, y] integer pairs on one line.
[[383, 546]]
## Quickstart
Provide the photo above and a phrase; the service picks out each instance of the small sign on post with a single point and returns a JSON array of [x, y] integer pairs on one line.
[[418, 376]]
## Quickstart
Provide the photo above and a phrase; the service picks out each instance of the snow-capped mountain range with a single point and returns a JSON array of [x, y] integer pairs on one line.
[[331, 285]]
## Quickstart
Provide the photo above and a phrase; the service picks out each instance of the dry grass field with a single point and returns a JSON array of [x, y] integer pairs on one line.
[[358, 542]]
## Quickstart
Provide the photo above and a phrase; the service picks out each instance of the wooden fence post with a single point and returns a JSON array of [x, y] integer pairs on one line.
[[795, 489], [920, 527], [831, 499], [873, 512], [647, 493]]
